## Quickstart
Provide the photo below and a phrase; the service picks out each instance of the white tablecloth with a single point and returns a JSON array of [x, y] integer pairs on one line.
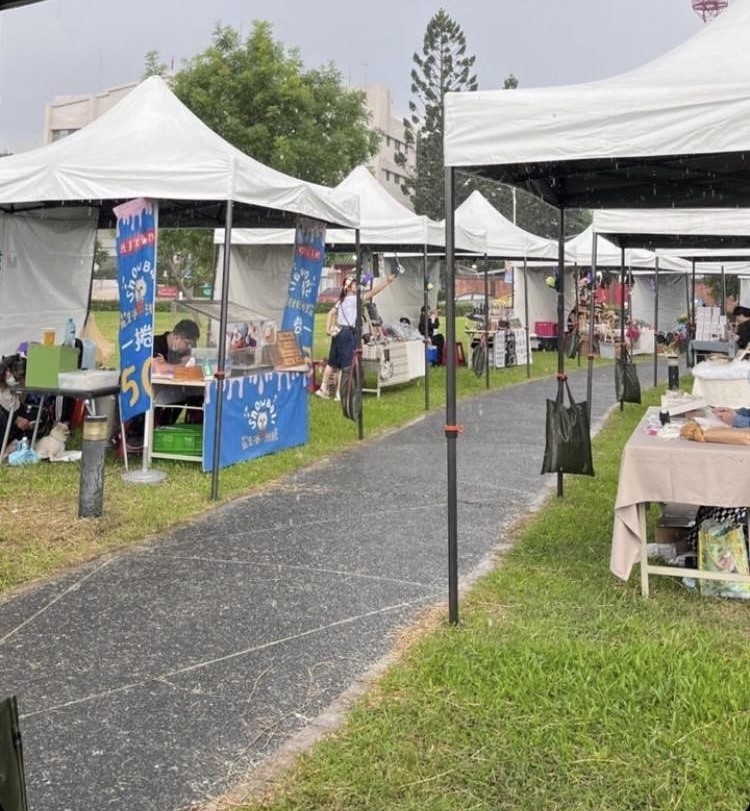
[[645, 343], [722, 383], [672, 471]]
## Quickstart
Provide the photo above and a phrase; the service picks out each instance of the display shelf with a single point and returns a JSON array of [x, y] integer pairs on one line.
[[391, 364]]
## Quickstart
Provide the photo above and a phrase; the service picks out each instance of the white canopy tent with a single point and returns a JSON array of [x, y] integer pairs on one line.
[[533, 300], [148, 145], [671, 133], [579, 251], [697, 236], [623, 140]]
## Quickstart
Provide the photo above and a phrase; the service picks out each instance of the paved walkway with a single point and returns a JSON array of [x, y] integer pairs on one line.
[[163, 677]]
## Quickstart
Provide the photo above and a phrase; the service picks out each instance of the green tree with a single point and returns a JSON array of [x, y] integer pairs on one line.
[[186, 259], [256, 94], [731, 284], [510, 82], [443, 67], [152, 66]]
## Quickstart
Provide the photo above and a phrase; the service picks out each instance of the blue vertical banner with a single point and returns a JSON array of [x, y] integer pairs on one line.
[[136, 273], [302, 294]]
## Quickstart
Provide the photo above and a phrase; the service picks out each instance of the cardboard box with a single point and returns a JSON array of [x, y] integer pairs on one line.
[[44, 364], [673, 535]]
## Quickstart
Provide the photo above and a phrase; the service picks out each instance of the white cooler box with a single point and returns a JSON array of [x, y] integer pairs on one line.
[[88, 379]]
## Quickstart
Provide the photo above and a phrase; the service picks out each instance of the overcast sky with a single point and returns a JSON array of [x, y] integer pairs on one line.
[[68, 47]]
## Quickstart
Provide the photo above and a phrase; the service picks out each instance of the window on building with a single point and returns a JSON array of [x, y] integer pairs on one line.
[[58, 134]]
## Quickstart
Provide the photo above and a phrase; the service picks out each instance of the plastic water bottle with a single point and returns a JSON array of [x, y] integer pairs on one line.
[[23, 445], [70, 333]]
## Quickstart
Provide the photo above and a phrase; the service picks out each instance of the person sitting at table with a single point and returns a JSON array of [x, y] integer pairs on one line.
[[169, 350], [173, 348], [429, 323], [742, 326]]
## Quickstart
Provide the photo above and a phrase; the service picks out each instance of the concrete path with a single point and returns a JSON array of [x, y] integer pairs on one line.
[[163, 677]]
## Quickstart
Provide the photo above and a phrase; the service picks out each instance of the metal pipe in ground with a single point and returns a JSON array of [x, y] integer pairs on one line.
[[94, 450]]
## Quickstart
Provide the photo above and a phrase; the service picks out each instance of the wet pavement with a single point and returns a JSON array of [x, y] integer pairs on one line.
[[167, 675]]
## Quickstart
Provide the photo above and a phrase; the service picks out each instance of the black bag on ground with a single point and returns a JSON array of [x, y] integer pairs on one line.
[[627, 385], [568, 438], [351, 390]]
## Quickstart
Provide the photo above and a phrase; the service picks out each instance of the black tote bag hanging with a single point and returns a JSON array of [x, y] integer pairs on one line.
[[627, 385], [567, 436], [351, 390]]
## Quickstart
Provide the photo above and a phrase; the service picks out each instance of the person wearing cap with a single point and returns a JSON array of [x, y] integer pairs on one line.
[[341, 323], [742, 325]]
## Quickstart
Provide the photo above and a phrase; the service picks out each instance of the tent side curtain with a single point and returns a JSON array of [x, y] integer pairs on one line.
[[45, 271], [259, 278]]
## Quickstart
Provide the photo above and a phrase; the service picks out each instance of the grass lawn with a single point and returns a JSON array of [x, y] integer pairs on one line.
[[562, 688]]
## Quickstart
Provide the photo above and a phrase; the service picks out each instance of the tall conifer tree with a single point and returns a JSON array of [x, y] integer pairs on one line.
[[442, 67]]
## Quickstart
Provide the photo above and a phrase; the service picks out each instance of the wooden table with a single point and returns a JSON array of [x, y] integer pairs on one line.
[[680, 471]]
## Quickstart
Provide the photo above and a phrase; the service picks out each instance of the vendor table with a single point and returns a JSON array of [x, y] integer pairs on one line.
[[262, 413], [391, 364], [88, 395], [680, 471], [723, 383]]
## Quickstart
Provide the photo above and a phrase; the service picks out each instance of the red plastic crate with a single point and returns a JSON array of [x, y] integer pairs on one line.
[[545, 329]]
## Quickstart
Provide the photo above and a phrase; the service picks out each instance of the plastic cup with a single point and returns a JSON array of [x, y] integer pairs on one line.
[[48, 336]]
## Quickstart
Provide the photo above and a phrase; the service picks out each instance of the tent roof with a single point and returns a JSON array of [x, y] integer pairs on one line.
[[578, 251], [385, 224], [672, 132], [504, 239], [688, 231], [151, 145]]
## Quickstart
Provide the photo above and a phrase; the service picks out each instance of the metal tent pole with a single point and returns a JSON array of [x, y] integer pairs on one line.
[[220, 374], [560, 319], [451, 428], [592, 317], [526, 315], [426, 336]]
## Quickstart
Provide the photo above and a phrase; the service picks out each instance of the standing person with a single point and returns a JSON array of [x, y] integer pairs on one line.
[[742, 326], [429, 323], [341, 323]]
